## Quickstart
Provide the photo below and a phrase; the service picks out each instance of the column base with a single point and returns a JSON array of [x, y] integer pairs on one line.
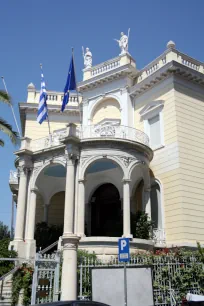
[[81, 235], [19, 246], [69, 267], [25, 250], [130, 236], [30, 249]]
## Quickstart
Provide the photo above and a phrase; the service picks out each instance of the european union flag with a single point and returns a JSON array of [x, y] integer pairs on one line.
[[70, 84]]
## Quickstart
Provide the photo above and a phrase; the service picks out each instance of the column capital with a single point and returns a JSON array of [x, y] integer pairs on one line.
[[70, 160], [23, 170], [70, 242]]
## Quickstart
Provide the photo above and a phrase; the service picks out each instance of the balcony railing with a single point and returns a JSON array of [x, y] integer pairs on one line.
[[159, 236], [114, 131], [13, 177], [91, 131]]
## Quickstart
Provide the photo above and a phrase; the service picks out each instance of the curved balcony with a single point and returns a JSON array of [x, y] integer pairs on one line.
[[88, 132], [114, 131]]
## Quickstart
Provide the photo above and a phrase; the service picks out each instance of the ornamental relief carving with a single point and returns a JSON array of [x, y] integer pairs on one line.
[[127, 160], [68, 246], [83, 159]]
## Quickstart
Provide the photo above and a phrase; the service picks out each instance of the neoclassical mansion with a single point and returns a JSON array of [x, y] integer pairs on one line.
[[135, 142]]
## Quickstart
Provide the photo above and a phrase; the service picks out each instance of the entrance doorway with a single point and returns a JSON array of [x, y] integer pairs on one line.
[[106, 214]]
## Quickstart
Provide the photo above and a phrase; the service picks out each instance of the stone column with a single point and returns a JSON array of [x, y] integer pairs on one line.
[[21, 206], [69, 239], [46, 207], [69, 197], [32, 213], [81, 209], [126, 209], [69, 268], [147, 202]]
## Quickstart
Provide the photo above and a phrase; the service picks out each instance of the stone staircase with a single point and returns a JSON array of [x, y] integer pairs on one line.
[[6, 291]]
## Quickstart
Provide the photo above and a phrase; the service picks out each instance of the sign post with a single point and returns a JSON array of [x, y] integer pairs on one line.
[[124, 256]]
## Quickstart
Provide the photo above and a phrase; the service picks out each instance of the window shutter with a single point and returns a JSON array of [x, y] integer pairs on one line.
[[155, 133]]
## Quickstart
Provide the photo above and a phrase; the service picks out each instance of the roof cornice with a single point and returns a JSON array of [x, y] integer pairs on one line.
[[172, 68], [125, 70]]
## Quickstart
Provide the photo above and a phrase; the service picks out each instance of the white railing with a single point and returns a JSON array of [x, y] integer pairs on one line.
[[114, 131], [13, 177], [91, 131], [190, 63], [49, 141], [159, 236], [167, 57], [107, 66]]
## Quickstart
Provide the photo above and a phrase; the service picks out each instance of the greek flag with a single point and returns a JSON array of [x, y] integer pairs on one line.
[[42, 108]]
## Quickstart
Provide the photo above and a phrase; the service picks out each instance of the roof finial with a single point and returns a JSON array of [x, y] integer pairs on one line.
[[171, 45]]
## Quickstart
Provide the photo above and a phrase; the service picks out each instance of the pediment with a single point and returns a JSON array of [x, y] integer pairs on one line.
[[152, 107]]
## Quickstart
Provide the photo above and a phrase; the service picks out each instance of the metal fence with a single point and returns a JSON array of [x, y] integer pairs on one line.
[[166, 270], [46, 278]]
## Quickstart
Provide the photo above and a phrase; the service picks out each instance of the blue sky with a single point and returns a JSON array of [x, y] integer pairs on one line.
[[43, 31]]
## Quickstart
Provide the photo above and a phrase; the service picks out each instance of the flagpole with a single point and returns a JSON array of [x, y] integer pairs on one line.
[[80, 117], [48, 120], [11, 106]]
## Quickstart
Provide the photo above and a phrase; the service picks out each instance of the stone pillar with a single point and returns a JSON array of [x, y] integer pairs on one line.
[[46, 207], [81, 209], [69, 239], [69, 268], [147, 202], [21, 206], [32, 213], [69, 198], [126, 209]]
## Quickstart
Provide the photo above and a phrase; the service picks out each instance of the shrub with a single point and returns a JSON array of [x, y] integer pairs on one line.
[[143, 226], [6, 266]]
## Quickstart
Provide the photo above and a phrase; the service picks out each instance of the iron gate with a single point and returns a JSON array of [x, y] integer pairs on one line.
[[45, 286]]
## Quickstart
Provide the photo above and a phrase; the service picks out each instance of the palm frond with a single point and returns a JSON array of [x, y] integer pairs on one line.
[[4, 97], [1, 143], [7, 129]]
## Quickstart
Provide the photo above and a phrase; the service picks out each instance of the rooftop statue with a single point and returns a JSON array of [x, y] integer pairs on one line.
[[123, 42], [87, 58]]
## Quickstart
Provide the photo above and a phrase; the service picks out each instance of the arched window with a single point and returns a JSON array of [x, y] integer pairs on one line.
[[108, 110], [156, 205]]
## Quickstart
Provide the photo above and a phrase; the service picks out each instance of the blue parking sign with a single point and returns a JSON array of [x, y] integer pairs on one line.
[[123, 249]]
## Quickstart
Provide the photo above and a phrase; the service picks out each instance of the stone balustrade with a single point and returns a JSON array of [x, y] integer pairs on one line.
[[87, 132], [167, 57], [13, 177], [53, 97], [114, 131], [106, 66]]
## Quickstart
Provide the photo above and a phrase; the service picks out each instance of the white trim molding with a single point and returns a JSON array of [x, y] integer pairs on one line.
[[150, 111]]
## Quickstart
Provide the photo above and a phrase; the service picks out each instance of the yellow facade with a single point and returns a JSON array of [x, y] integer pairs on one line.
[[179, 165]]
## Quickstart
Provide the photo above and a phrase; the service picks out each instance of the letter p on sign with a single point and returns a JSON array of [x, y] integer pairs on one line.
[[123, 244], [123, 249]]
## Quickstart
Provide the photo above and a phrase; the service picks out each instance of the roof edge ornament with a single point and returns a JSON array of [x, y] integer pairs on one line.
[[31, 86], [171, 45]]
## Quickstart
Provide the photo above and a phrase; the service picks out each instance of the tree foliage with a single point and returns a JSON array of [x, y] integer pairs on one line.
[[4, 231], [6, 266], [5, 127]]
